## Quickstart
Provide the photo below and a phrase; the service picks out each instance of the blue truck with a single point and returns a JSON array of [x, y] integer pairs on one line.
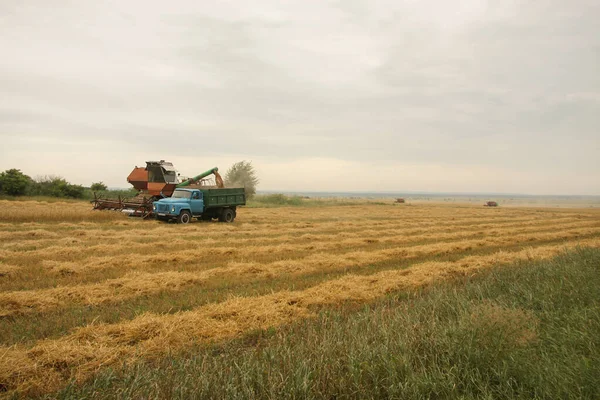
[[204, 204]]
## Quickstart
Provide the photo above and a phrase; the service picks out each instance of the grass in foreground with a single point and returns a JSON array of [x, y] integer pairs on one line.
[[527, 332]]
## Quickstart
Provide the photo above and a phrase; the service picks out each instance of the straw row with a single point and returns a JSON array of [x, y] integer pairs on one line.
[[141, 284], [39, 238], [74, 249]]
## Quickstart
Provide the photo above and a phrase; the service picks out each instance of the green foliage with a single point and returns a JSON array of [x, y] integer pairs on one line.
[[282, 200], [277, 199], [526, 332], [13, 182], [98, 187], [115, 193], [54, 186], [242, 174]]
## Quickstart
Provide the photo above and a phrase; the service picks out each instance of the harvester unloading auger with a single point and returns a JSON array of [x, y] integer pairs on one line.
[[157, 180]]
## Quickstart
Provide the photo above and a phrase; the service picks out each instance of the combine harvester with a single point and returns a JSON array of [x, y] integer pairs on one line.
[[156, 181]]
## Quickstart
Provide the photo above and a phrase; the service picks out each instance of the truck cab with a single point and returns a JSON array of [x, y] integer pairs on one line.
[[206, 204]]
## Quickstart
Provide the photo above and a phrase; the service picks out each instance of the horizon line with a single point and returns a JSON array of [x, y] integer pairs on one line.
[[409, 192]]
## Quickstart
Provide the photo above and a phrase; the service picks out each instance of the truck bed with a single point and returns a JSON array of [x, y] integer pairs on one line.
[[224, 197]]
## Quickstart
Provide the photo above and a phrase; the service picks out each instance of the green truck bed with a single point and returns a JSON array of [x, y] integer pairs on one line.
[[224, 197]]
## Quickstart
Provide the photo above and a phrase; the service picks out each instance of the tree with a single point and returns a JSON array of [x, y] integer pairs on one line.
[[98, 187], [14, 182], [74, 191], [242, 174]]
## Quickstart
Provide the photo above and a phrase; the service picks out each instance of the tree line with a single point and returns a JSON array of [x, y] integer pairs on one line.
[[13, 182]]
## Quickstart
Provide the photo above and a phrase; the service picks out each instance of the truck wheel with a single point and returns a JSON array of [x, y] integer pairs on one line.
[[184, 217], [227, 215]]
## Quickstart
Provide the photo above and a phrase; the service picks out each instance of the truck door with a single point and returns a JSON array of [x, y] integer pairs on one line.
[[197, 202]]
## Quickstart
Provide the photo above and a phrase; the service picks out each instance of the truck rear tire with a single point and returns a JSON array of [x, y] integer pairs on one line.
[[184, 217], [228, 215]]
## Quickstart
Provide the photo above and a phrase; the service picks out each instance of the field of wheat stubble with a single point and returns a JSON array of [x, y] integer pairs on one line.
[[82, 291]]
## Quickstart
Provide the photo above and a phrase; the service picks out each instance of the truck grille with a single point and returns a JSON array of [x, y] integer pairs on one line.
[[162, 207]]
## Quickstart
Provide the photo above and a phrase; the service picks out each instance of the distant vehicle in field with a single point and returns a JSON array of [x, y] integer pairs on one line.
[[400, 200], [204, 204], [491, 204]]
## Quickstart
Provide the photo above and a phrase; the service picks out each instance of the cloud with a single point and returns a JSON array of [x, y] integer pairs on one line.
[[420, 86]]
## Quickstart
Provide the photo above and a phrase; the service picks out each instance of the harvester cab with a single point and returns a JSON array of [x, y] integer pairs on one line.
[[159, 178], [161, 171]]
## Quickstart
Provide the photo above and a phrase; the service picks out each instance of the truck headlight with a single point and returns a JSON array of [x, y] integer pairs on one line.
[[154, 206], [172, 209]]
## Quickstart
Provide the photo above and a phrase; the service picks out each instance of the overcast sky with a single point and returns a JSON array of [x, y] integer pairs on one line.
[[461, 96]]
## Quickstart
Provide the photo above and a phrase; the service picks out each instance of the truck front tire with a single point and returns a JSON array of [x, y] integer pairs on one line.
[[228, 215], [184, 217]]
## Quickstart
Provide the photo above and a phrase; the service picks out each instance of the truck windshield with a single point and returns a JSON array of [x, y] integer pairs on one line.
[[182, 194]]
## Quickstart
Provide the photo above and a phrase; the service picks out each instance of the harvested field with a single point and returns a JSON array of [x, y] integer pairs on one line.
[[81, 291]]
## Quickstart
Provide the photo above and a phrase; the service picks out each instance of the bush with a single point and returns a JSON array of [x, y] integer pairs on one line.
[[98, 187], [54, 186], [13, 182], [113, 194], [277, 199]]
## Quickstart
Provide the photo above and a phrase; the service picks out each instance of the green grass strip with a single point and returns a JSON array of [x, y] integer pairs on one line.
[[510, 333]]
